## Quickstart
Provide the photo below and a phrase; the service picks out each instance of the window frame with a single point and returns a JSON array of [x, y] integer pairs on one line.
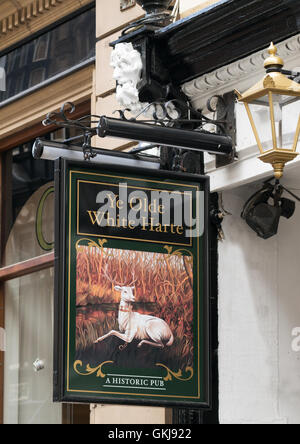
[[29, 266], [39, 34]]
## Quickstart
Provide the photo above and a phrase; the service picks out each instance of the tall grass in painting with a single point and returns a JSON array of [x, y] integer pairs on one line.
[[163, 288]]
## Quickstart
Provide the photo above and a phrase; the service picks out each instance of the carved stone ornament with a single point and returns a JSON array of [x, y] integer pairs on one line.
[[128, 65]]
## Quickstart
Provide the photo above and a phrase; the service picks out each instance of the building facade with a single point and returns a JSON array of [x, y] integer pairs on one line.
[[57, 51]]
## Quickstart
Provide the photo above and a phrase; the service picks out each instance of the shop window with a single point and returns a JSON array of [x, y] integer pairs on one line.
[[65, 48], [29, 331], [29, 235]]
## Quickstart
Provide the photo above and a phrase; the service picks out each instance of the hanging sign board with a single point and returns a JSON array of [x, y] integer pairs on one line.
[[131, 322]]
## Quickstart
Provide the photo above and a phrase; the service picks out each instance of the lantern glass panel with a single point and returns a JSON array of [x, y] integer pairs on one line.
[[282, 99], [262, 120], [286, 118], [290, 118], [286, 114]]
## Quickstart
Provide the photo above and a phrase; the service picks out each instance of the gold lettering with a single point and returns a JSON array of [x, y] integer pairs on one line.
[[110, 221], [112, 199], [145, 204], [159, 228], [131, 224], [179, 229], [132, 204], [151, 224], [120, 204], [153, 206], [96, 217], [144, 219], [161, 209], [91, 214]]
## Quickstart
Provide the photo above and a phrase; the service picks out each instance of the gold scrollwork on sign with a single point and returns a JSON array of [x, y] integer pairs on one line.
[[177, 375], [91, 243], [178, 252], [90, 370]]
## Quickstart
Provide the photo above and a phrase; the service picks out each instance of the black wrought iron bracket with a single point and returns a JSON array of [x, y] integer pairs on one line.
[[170, 114], [175, 116], [153, 21], [293, 75], [86, 125]]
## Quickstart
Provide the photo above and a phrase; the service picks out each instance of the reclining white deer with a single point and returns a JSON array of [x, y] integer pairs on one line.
[[133, 325]]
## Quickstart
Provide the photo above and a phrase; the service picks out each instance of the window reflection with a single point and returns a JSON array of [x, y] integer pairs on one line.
[[41, 48], [26, 176], [63, 48], [29, 327]]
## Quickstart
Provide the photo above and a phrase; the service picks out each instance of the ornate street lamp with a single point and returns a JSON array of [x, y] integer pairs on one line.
[[264, 104]]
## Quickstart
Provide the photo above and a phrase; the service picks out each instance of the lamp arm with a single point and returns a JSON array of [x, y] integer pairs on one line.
[[290, 192]]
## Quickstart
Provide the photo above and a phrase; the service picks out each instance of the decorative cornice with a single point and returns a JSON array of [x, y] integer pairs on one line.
[[25, 14], [226, 78], [36, 15]]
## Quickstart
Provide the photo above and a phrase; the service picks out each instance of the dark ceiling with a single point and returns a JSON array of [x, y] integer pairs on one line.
[[223, 33]]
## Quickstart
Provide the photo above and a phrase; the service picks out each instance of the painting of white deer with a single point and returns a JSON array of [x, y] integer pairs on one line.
[[147, 329], [133, 325], [134, 307]]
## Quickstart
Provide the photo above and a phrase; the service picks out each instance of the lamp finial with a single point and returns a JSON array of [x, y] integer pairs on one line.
[[273, 59]]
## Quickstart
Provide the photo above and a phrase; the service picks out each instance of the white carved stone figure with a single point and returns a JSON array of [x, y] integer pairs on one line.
[[127, 64], [133, 325]]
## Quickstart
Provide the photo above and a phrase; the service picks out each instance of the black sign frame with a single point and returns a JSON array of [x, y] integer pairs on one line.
[[63, 319]]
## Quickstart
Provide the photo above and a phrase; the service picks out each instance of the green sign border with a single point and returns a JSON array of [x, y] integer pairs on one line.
[[75, 381]]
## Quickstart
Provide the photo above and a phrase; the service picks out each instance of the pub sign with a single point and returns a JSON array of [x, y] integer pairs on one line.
[[131, 286]]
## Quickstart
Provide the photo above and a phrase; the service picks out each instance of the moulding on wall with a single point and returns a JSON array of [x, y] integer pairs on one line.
[[32, 17], [239, 74]]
